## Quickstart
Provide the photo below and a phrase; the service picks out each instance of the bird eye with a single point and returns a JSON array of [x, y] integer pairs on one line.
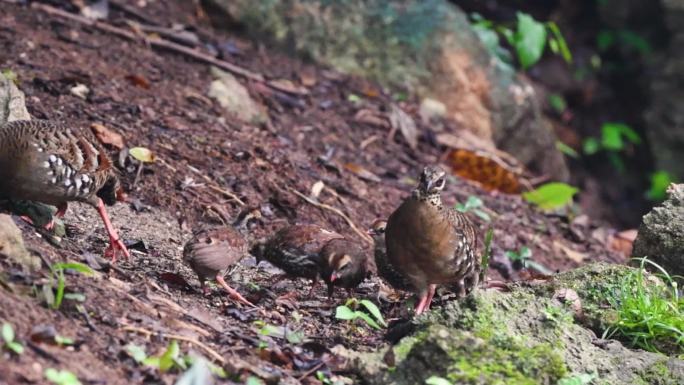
[[440, 183]]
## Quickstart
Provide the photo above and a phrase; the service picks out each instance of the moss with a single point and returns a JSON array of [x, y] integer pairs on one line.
[[660, 374]]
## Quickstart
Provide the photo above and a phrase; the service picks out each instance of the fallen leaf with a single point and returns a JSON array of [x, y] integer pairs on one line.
[[288, 86], [317, 188], [480, 167], [623, 242], [142, 154], [80, 91], [402, 121], [372, 118], [361, 172], [107, 136], [138, 81], [576, 256]]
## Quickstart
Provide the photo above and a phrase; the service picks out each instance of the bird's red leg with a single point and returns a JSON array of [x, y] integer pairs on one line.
[[431, 293], [421, 303], [232, 292], [115, 243]]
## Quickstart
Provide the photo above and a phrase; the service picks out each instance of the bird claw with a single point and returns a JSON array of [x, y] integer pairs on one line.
[[116, 246]]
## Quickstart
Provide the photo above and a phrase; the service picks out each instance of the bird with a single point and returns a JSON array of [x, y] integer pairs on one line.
[[211, 251], [384, 268], [343, 263], [55, 163], [297, 250], [429, 244]]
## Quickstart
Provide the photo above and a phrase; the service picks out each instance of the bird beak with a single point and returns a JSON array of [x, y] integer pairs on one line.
[[370, 232], [333, 277], [429, 184]]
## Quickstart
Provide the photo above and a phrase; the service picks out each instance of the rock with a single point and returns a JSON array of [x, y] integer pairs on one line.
[[12, 104], [527, 336], [428, 46], [12, 245], [234, 97], [661, 234]]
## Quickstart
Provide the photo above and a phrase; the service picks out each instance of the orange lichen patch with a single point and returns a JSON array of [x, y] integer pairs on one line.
[[481, 167]]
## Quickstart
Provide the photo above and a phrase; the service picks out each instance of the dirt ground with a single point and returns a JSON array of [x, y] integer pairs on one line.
[[157, 100]]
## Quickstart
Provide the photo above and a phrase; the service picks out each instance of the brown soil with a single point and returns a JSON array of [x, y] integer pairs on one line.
[[310, 138]]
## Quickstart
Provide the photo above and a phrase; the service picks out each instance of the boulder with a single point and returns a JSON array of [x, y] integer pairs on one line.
[[661, 233], [12, 104], [428, 46], [536, 334], [12, 245]]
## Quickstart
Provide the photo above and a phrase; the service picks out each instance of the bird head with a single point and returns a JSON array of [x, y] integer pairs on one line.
[[377, 228], [432, 181], [342, 265]]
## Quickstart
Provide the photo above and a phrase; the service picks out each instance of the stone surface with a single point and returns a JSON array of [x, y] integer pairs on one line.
[[12, 105], [428, 46], [235, 98], [527, 336], [661, 234], [12, 245]]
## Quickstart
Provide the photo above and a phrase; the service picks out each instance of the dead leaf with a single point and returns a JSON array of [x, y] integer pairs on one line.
[[80, 91], [361, 172], [372, 118], [479, 167], [288, 86], [576, 256], [316, 189], [106, 136], [623, 241], [138, 81], [402, 121]]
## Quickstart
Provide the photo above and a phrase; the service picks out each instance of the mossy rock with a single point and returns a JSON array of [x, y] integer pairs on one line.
[[526, 336]]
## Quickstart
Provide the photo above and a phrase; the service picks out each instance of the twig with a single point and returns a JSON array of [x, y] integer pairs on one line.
[[212, 185], [335, 210], [315, 368], [154, 42], [193, 341]]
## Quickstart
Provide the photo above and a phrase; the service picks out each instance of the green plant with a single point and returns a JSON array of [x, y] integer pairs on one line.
[[10, 75], [61, 377], [522, 259], [473, 204], [252, 380], [8, 338], [558, 103], [613, 140], [650, 314], [58, 282], [551, 196], [265, 329], [169, 359], [529, 39], [660, 180], [567, 150], [349, 312], [320, 376]]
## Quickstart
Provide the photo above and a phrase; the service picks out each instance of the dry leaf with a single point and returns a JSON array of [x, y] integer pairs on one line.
[[107, 136], [80, 90], [142, 154], [317, 188], [138, 81], [288, 86], [479, 167], [361, 172], [623, 241], [371, 117], [402, 121], [576, 256]]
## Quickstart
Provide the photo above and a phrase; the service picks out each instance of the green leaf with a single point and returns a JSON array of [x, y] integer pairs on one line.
[[345, 313], [7, 332], [529, 40], [62, 377], [79, 297], [251, 380], [612, 134], [435, 380], [482, 215], [15, 347], [367, 319], [562, 46], [61, 283], [660, 180], [604, 40], [557, 102], [136, 352], [375, 312], [61, 340], [551, 196], [567, 150], [634, 40], [354, 98], [79, 267], [142, 154], [170, 356], [591, 146]]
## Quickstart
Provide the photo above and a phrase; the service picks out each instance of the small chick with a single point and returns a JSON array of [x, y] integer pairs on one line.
[[343, 263], [211, 252]]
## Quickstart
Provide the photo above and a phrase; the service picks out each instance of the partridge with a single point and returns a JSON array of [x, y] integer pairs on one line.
[[54, 164], [210, 252], [343, 263], [297, 250], [385, 269], [429, 244]]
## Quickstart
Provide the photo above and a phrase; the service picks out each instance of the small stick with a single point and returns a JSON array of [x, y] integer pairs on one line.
[[337, 211], [308, 372], [193, 341]]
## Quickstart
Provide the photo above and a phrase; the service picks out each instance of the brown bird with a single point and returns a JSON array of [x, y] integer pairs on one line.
[[430, 244], [343, 263], [211, 252], [385, 269], [297, 250], [54, 164]]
